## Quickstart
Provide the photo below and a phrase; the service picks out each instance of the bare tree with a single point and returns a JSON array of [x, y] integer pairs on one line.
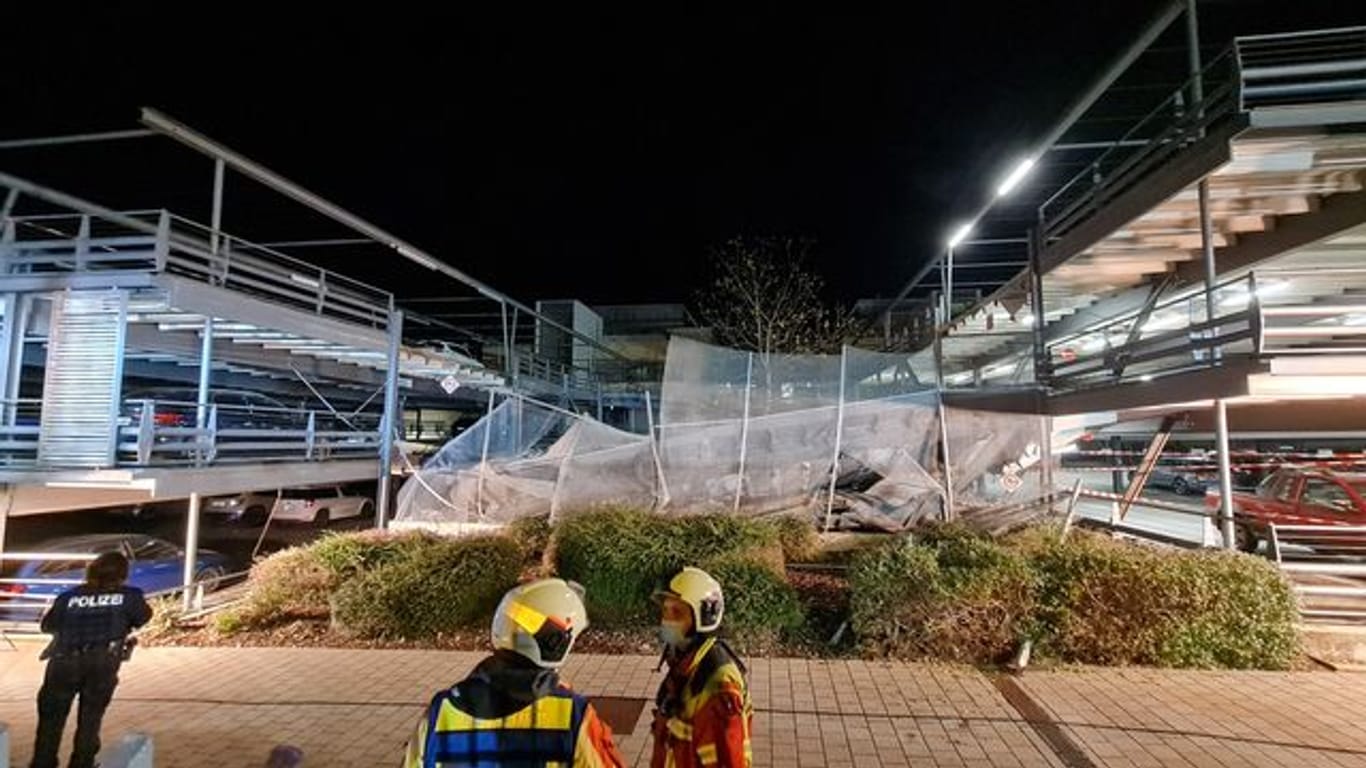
[[765, 299]]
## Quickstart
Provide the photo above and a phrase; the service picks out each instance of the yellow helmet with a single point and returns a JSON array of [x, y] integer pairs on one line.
[[702, 594], [540, 620]]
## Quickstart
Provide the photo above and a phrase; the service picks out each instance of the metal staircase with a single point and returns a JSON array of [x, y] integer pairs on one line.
[[79, 426]]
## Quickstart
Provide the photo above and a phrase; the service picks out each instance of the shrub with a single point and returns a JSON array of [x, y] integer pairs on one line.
[[622, 555], [348, 554], [1105, 602], [954, 596], [434, 586], [531, 534], [289, 585], [760, 604], [798, 538]]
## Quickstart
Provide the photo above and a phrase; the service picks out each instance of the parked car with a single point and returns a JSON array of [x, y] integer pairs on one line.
[[237, 409], [320, 505], [249, 507], [1182, 476], [1299, 496], [154, 565]]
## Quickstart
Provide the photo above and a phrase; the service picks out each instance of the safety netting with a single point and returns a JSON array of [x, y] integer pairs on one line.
[[854, 440]]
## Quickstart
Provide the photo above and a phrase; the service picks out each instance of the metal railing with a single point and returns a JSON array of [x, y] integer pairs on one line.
[[1174, 336], [1314, 67], [161, 433], [164, 433], [1117, 522], [1297, 68], [161, 242], [1263, 313], [1327, 567], [1187, 115], [20, 422]]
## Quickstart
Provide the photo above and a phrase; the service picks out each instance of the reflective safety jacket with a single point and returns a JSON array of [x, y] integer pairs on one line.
[[470, 725], [702, 712]]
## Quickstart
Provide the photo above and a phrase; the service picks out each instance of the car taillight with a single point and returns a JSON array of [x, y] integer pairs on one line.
[[13, 589], [168, 419]]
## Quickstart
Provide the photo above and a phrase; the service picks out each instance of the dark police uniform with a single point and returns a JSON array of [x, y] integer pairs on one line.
[[89, 627]]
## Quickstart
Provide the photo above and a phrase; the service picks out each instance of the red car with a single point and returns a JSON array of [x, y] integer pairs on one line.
[[1299, 496]]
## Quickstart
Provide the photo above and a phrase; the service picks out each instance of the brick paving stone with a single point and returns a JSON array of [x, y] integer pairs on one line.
[[228, 706]]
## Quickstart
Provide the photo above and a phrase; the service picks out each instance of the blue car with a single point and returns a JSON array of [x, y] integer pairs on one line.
[[154, 566]]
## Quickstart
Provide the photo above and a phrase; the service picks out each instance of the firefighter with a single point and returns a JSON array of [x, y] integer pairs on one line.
[[513, 709], [89, 625], [702, 711]]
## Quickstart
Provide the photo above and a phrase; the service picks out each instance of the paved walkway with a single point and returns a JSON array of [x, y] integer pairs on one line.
[[228, 706]]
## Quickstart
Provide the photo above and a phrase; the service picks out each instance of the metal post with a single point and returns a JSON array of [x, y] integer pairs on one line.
[[17, 330], [202, 398], [1046, 455], [938, 348], [1193, 52], [663, 496], [484, 457], [1207, 251], [1037, 308], [216, 216], [948, 290], [507, 339], [744, 432], [191, 553], [10, 303], [948, 473], [310, 434], [6, 503], [839, 434], [1225, 473], [1202, 189], [387, 421]]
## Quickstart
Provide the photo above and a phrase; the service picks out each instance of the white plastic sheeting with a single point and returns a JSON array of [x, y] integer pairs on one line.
[[853, 438]]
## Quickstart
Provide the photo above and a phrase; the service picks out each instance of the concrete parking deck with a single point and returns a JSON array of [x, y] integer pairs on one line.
[[229, 706]]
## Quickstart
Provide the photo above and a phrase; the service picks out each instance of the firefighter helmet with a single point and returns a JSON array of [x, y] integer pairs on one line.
[[540, 620], [702, 594]]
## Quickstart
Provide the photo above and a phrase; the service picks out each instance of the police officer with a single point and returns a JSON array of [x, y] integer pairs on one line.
[[513, 710], [90, 626], [702, 711]]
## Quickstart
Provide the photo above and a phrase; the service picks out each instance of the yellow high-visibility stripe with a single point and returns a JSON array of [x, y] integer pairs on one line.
[[707, 754], [526, 617], [679, 729], [551, 713]]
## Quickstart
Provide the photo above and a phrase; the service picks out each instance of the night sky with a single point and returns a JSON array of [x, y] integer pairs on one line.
[[593, 155]]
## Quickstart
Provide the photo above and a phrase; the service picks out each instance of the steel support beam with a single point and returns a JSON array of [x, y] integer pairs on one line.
[[1145, 466], [205, 372], [1225, 473], [76, 138], [191, 552], [259, 173], [1036, 300], [392, 417]]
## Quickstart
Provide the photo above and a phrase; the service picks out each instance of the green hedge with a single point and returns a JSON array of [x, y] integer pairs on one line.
[[760, 604], [1105, 602], [953, 594], [435, 586], [379, 584], [958, 598], [798, 538], [289, 585], [621, 556]]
